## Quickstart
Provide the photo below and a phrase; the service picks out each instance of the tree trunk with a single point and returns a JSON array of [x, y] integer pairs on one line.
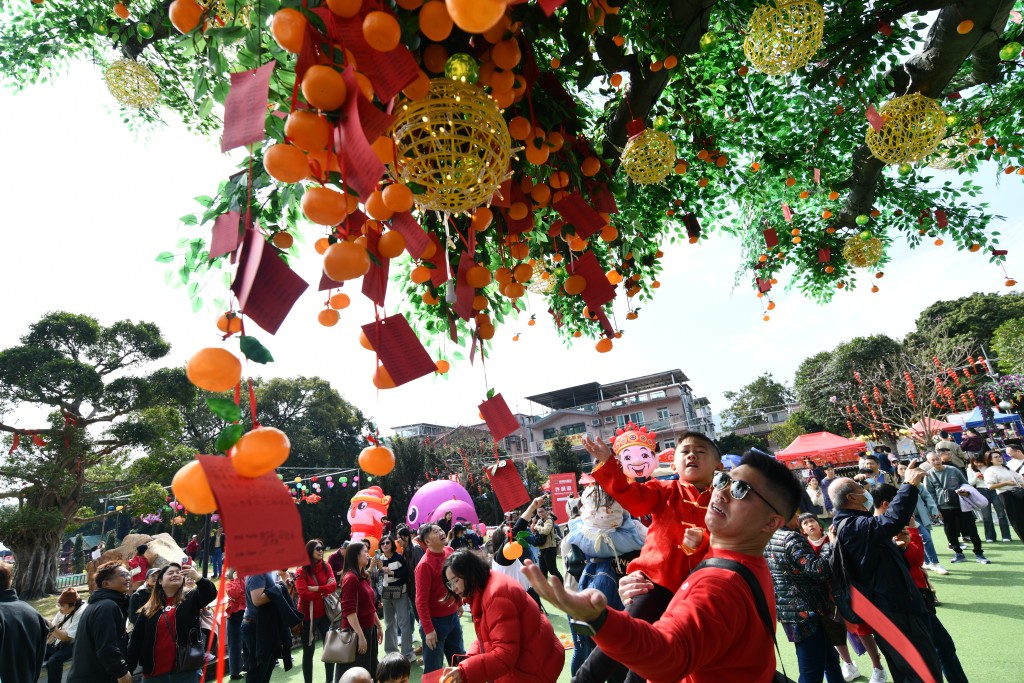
[[35, 564]]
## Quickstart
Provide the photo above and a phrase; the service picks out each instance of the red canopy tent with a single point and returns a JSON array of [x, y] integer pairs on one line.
[[821, 447], [936, 426]]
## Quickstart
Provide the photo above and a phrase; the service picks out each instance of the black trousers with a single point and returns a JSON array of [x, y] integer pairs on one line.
[[599, 667], [320, 626], [954, 523], [917, 629], [549, 562]]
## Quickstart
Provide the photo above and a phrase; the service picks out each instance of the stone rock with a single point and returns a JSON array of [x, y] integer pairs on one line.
[[162, 551]]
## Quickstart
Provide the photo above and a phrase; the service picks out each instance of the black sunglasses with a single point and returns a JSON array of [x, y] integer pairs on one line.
[[739, 489], [318, 549]]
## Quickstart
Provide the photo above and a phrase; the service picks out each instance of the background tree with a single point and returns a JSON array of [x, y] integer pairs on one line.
[[85, 374], [797, 424], [111, 541], [749, 405], [1008, 345], [78, 555], [973, 318], [738, 444], [534, 478], [561, 457]]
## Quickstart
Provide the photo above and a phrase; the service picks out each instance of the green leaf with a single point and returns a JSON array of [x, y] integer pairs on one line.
[[224, 408], [197, 303], [254, 350], [165, 257], [490, 393], [228, 437]]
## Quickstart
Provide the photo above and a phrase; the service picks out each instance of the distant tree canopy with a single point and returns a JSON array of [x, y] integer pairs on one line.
[[973, 318], [562, 458], [750, 404], [1008, 344]]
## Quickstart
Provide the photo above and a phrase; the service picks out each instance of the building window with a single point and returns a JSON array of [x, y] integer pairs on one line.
[[670, 443], [550, 432], [609, 419], [635, 418], [618, 403], [577, 428], [663, 413]]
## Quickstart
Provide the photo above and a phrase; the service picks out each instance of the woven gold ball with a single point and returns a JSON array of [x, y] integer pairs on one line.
[[540, 284], [453, 143], [784, 35], [955, 150], [649, 157], [914, 127], [861, 253], [132, 84]]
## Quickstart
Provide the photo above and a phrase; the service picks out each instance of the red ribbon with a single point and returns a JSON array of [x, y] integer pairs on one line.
[[888, 630]]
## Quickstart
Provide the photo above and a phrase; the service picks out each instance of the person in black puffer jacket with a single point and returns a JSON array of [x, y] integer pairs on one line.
[[168, 621], [100, 648]]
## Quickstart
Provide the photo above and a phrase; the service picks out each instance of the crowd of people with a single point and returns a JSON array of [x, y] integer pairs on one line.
[[664, 581]]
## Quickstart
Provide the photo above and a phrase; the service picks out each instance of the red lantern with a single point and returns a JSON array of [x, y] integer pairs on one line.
[[935, 359]]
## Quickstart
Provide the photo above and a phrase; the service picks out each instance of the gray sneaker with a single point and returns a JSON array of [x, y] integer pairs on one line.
[[981, 559], [959, 557]]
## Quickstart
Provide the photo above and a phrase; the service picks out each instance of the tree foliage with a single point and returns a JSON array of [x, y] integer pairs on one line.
[[1008, 344], [561, 457], [797, 424], [749, 405], [738, 444], [757, 152], [971, 318], [78, 555]]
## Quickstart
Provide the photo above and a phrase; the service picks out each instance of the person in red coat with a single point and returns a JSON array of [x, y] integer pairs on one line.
[[515, 643], [139, 566], [314, 582]]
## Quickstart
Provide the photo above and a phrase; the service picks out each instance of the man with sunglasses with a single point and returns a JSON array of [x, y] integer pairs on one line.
[[710, 631], [877, 566]]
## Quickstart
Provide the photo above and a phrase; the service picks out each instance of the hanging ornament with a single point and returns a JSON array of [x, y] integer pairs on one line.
[[649, 157], [783, 36], [861, 253], [954, 151], [454, 143], [132, 84], [914, 125]]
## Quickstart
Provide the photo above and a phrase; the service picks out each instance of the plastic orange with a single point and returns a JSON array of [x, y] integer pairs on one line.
[[320, 246], [496, 33], [376, 208], [609, 233], [418, 89], [574, 284], [514, 290], [260, 451], [185, 15], [391, 244], [519, 251], [476, 16], [479, 302], [518, 211], [398, 197], [121, 10], [229, 323], [520, 127], [286, 163], [503, 275], [485, 332], [214, 369], [604, 345], [377, 460], [364, 341], [420, 274], [478, 276], [512, 551], [384, 148], [324, 206], [590, 167], [307, 130], [192, 489], [289, 29], [346, 261], [506, 54], [381, 31], [340, 301], [442, 366], [345, 8], [323, 87], [502, 81], [537, 154], [435, 23], [283, 240], [482, 218], [328, 317], [523, 272], [382, 379]]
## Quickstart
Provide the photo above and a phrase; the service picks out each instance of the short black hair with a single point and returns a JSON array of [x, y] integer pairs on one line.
[[5, 576], [779, 478], [424, 530], [882, 493], [701, 436], [403, 530], [107, 571], [871, 456], [809, 515], [469, 566], [392, 667]]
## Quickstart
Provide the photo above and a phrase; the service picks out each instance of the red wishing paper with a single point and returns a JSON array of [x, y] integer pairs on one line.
[[500, 420], [263, 528], [503, 195], [824, 254], [265, 286], [575, 210], [771, 238], [375, 282], [416, 238], [399, 349], [507, 485], [764, 284], [226, 234], [245, 110], [464, 291], [362, 166], [787, 213], [603, 200], [874, 118], [598, 291], [549, 6], [606, 324], [374, 121], [327, 283]]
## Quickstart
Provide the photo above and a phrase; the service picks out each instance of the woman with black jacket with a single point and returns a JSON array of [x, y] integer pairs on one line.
[[168, 627]]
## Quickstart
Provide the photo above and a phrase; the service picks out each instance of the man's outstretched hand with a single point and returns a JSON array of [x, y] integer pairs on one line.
[[585, 605], [599, 449]]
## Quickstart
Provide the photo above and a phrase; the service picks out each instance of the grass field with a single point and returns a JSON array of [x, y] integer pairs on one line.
[[982, 606]]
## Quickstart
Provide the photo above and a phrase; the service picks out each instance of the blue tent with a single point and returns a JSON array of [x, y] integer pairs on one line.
[[975, 419]]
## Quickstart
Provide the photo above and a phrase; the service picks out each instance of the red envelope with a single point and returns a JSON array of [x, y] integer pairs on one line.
[[399, 349], [245, 110], [226, 234], [771, 238], [575, 210], [549, 6], [266, 288], [257, 514], [507, 485], [874, 118], [787, 213], [764, 284], [375, 282], [327, 283], [606, 324], [692, 225], [464, 291], [603, 200], [824, 254], [599, 291], [362, 167], [500, 420]]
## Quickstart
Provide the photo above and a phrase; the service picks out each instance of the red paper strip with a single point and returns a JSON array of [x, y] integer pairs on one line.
[[891, 633], [603, 200], [375, 282], [1000, 252], [817, 176], [874, 118], [362, 166], [374, 121], [399, 349], [771, 238], [464, 291], [575, 210], [824, 254], [500, 420], [787, 213], [635, 127], [439, 274], [764, 284], [327, 283], [266, 288], [257, 514], [416, 238], [549, 7], [245, 110], [598, 291], [227, 232], [940, 218], [606, 324]]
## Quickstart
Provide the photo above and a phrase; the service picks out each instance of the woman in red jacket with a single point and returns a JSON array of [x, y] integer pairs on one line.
[[515, 643], [314, 582]]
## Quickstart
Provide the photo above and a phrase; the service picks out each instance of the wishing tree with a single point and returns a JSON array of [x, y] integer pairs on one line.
[[476, 152]]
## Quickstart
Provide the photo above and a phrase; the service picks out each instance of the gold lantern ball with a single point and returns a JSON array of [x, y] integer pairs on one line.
[[955, 150], [454, 144], [132, 84], [543, 281], [649, 157], [862, 253], [784, 35], [914, 127]]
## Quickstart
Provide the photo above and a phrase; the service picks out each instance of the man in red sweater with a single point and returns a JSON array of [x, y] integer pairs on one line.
[[711, 631], [439, 615], [675, 507]]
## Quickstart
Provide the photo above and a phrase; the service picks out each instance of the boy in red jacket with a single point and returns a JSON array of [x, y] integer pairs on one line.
[[675, 507]]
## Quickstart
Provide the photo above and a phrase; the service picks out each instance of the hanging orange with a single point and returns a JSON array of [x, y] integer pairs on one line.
[[442, 366], [192, 489], [476, 16], [364, 341], [520, 128], [574, 284], [382, 379], [420, 274], [214, 369], [260, 451], [323, 87], [229, 323], [377, 460], [398, 197], [121, 10], [590, 167], [435, 56], [478, 277], [345, 8], [391, 244], [506, 54], [604, 345], [340, 301], [346, 261], [328, 317], [286, 163], [375, 206], [523, 272], [324, 206], [289, 29], [512, 551], [283, 240], [435, 22], [307, 130], [499, 30], [185, 15], [381, 31]]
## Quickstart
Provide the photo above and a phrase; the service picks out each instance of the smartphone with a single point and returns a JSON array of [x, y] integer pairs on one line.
[[458, 658], [914, 464]]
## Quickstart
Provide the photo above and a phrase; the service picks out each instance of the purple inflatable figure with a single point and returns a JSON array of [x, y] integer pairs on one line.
[[435, 498]]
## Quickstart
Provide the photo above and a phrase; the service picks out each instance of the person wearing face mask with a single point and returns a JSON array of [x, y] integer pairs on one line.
[[877, 566]]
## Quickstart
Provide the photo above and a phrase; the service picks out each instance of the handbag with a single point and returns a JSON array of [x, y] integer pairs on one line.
[[341, 645], [392, 592], [190, 657], [332, 607]]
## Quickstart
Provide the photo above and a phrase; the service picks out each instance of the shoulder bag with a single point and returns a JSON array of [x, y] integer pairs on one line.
[[190, 657], [332, 605], [340, 645]]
